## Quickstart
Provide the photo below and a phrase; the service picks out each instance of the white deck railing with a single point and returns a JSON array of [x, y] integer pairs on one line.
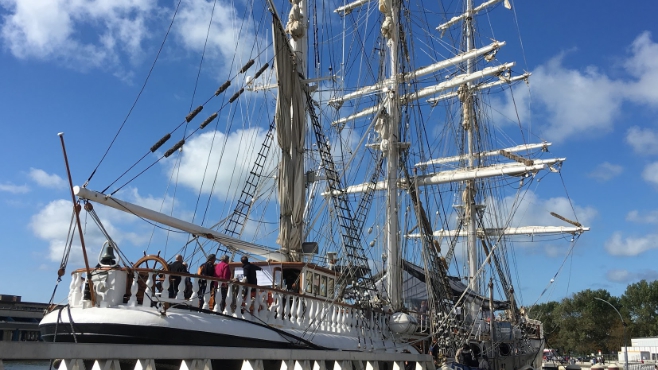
[[255, 303]]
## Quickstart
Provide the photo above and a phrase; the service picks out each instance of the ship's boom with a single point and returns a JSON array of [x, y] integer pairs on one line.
[[189, 227]]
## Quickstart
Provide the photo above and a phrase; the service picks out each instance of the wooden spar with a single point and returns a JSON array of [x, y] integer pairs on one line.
[[76, 209], [189, 227]]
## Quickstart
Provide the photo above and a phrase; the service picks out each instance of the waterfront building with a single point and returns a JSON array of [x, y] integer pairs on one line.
[[19, 321]]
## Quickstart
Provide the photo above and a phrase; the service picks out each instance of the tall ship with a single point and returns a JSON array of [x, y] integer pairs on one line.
[[377, 196]]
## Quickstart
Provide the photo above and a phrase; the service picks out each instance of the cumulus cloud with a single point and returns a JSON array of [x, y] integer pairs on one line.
[[191, 29], [14, 189], [618, 245], [643, 65], [650, 173], [627, 277], [535, 211], [606, 171], [44, 179], [52, 224], [219, 162], [643, 140], [574, 101], [643, 218], [79, 34], [53, 221]]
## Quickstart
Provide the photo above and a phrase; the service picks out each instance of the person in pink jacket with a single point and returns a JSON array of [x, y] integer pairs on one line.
[[223, 271]]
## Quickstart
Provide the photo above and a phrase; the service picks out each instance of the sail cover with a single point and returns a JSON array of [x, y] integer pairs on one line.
[[415, 289], [291, 130]]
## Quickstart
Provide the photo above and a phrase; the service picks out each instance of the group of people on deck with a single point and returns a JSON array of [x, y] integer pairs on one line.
[[211, 268], [464, 357]]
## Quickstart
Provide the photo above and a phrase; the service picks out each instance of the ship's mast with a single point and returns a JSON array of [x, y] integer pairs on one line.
[[291, 131], [469, 126], [390, 146]]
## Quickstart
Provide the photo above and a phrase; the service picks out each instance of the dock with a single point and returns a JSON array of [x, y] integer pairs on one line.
[[87, 356]]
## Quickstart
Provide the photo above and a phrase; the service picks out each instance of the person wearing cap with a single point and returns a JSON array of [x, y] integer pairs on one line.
[[223, 271]]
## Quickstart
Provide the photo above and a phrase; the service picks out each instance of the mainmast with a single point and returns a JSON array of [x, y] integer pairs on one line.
[[469, 196], [389, 123]]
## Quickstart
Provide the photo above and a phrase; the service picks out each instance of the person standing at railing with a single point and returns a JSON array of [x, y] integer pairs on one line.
[[188, 282], [249, 270], [207, 269], [175, 267], [223, 271]]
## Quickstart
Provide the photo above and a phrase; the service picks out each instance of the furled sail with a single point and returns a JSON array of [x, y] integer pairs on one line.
[[291, 130]]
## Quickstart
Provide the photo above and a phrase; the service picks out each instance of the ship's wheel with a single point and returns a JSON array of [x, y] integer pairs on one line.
[[158, 263], [153, 263]]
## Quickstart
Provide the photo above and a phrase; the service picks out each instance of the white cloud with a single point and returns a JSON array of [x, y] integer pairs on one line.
[[619, 276], [650, 173], [626, 277], [15, 189], [643, 65], [52, 224], [44, 179], [577, 101], [618, 245], [643, 140], [191, 29], [230, 160], [534, 211], [53, 221], [606, 171], [646, 218], [80, 34]]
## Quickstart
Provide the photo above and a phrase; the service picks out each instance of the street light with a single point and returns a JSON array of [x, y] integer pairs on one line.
[[623, 324]]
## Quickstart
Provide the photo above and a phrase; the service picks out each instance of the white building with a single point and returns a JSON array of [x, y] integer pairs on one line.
[[641, 349]]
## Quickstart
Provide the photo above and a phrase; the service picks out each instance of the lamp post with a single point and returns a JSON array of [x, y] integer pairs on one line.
[[623, 324]]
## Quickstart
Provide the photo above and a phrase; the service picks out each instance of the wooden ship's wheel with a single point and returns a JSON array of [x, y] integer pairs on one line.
[[158, 263], [150, 262]]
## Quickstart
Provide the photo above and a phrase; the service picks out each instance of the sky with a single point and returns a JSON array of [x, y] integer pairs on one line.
[[77, 66]]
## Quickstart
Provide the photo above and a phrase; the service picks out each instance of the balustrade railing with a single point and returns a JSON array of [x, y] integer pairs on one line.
[[146, 288]]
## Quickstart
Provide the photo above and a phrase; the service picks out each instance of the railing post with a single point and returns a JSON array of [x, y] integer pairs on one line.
[[75, 364], [344, 365], [165, 286], [238, 303], [134, 287], [206, 295], [107, 365], [334, 318], [280, 300], [182, 284], [256, 302], [148, 364], [194, 298], [310, 312], [228, 309], [252, 365], [146, 302], [300, 311]]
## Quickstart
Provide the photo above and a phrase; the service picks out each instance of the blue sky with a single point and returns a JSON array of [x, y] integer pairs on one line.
[[77, 66]]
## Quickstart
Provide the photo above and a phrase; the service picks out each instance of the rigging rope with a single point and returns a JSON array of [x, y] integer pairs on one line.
[[138, 95]]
